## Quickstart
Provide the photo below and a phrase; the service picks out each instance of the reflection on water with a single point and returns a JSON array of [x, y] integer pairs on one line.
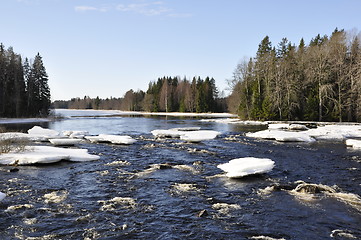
[[121, 196]]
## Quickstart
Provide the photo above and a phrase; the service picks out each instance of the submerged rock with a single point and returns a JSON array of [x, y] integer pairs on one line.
[[337, 233], [311, 188], [202, 213]]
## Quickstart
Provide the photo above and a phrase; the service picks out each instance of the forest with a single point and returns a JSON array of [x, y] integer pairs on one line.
[[320, 81], [167, 94], [24, 89]]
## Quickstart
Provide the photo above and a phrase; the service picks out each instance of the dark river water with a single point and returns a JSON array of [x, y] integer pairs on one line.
[[127, 194]]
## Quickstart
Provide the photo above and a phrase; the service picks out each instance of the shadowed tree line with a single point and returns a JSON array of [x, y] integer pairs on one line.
[[320, 81], [167, 94], [24, 90]]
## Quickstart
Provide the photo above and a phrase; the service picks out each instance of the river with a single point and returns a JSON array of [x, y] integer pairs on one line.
[[128, 195]]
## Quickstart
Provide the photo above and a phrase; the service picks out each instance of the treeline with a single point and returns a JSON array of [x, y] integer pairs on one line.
[[167, 94], [24, 90], [320, 81]]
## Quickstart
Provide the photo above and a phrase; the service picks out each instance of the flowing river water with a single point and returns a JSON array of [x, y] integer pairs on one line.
[[168, 189]]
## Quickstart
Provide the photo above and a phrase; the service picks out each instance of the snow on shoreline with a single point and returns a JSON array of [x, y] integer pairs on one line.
[[104, 113], [23, 120]]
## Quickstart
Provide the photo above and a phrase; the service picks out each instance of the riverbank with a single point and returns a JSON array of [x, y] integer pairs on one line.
[[102, 113], [24, 120]]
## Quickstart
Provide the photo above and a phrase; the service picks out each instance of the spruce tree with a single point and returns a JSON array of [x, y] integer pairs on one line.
[[41, 93]]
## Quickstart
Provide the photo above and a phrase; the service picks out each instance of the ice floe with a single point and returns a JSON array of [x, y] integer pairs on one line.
[[75, 134], [198, 136], [300, 133], [43, 132], [261, 237], [189, 134], [241, 167], [64, 141], [115, 139], [353, 143], [282, 136], [2, 196], [335, 132], [46, 154]]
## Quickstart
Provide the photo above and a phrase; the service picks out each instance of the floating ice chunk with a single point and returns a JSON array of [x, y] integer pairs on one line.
[[353, 143], [198, 136], [36, 130], [241, 167], [64, 141], [75, 134], [2, 196], [261, 237], [172, 133], [335, 132], [115, 139], [278, 126], [282, 136], [186, 129], [46, 154], [297, 127]]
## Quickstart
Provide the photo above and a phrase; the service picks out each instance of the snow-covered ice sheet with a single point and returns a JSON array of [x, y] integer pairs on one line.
[[172, 133], [186, 134], [328, 132], [42, 134], [75, 134], [64, 141], [282, 136], [46, 154], [198, 136], [241, 167], [115, 139], [353, 143]]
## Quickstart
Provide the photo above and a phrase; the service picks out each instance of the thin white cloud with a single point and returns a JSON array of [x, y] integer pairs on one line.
[[90, 8], [145, 8], [142, 7]]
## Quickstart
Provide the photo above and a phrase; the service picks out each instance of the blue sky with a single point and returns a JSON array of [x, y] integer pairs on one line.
[[106, 47]]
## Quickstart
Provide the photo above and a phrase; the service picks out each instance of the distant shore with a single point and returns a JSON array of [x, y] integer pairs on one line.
[[93, 112], [24, 120]]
